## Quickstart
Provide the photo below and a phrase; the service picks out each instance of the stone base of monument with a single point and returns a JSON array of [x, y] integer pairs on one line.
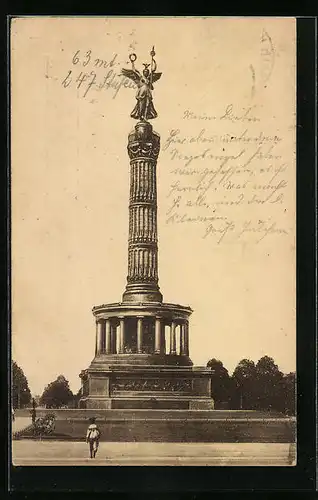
[[148, 402], [222, 426], [145, 386]]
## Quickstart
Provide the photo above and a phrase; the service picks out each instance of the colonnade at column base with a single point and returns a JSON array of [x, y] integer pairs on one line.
[[149, 328]]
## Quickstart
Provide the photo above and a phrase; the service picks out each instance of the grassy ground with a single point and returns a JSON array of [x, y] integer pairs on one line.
[[143, 430]]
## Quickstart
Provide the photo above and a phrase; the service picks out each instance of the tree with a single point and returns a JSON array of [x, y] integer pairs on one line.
[[57, 393], [244, 385], [21, 395], [220, 381], [77, 397], [286, 402], [37, 398], [269, 384]]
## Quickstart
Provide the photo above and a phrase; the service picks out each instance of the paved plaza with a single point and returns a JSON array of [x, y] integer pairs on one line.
[[28, 452]]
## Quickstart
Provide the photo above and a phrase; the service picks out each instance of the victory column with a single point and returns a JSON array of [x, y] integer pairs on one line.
[[133, 367]]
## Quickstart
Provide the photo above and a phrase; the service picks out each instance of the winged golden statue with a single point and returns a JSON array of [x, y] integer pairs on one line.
[[144, 109]]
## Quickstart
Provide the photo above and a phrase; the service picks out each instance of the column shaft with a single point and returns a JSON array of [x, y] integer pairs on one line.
[[173, 338], [107, 335], [142, 277], [163, 338], [182, 339], [158, 336], [186, 339], [97, 340], [139, 335], [99, 336], [113, 339], [121, 335]]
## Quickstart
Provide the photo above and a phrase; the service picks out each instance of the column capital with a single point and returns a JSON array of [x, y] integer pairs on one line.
[[143, 142]]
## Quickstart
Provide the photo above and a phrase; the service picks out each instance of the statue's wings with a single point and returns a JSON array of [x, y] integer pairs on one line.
[[133, 74], [156, 76]]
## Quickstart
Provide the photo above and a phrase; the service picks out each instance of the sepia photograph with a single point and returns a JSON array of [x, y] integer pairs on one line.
[[153, 241]]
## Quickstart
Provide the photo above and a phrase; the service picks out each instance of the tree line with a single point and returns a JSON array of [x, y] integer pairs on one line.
[[252, 386]]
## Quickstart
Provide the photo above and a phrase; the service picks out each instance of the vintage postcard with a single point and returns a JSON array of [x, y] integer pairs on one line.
[[153, 182]]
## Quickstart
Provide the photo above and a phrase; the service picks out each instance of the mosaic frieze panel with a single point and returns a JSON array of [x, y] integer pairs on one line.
[[169, 385]]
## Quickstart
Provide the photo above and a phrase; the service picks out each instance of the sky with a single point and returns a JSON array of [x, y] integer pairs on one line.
[[70, 184]]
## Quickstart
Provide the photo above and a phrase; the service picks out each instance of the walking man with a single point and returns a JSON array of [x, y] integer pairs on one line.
[[92, 437]]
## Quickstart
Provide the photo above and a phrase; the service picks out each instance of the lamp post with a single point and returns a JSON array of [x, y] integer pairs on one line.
[[33, 411]]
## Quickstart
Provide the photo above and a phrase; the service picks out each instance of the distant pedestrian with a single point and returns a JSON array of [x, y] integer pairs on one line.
[[92, 437], [13, 415]]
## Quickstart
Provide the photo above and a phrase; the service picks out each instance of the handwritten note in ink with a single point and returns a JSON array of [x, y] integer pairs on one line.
[[219, 177]]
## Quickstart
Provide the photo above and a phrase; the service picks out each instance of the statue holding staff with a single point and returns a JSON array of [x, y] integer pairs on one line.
[[144, 109]]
